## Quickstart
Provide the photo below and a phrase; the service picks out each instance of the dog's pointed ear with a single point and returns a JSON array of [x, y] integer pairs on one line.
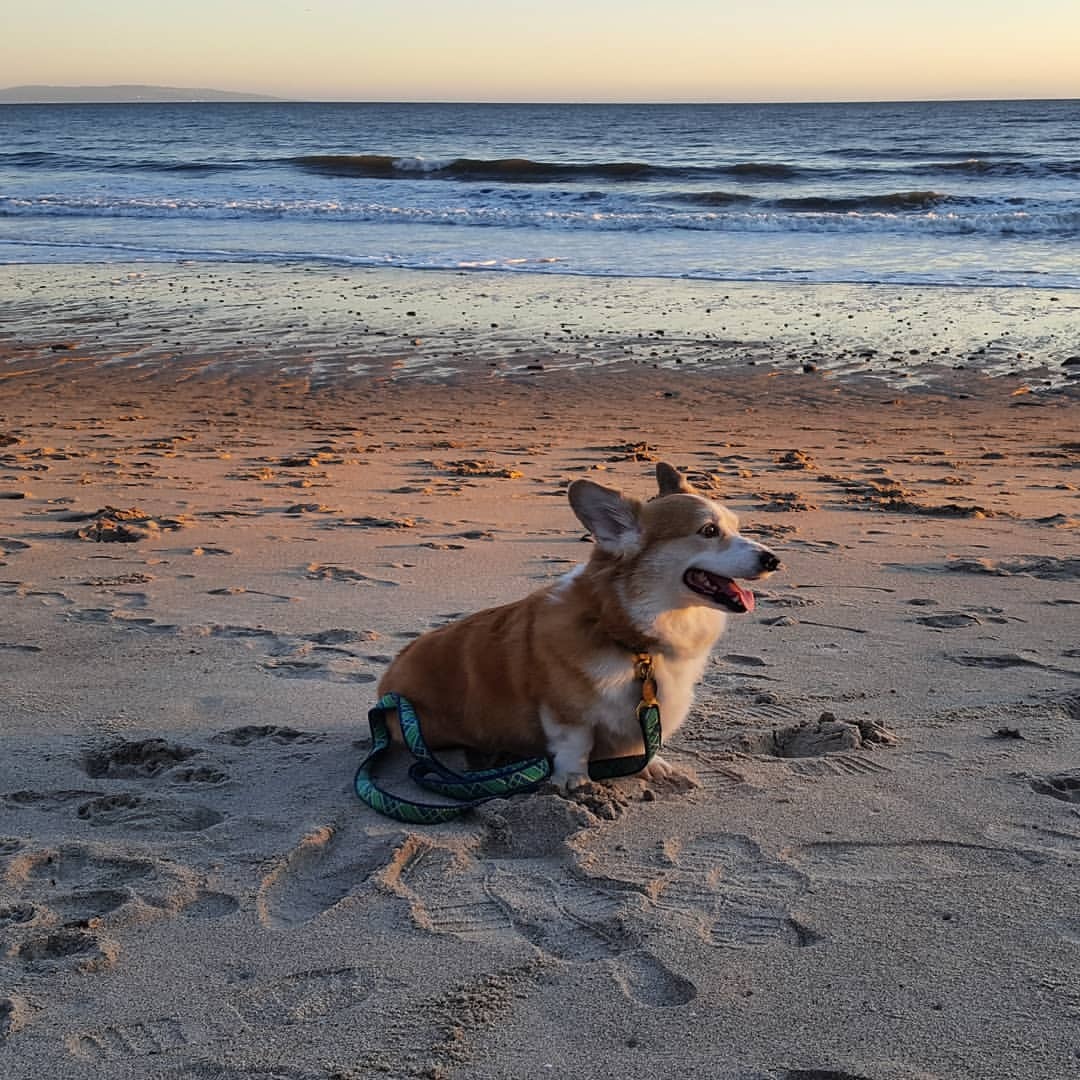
[[671, 481], [609, 515]]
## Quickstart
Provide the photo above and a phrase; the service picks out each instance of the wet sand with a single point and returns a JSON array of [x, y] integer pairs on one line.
[[220, 519]]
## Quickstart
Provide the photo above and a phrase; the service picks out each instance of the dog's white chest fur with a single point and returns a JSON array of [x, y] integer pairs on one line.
[[677, 671], [615, 706], [619, 691]]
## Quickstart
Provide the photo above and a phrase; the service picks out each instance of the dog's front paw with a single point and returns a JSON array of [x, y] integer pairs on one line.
[[570, 782], [657, 769]]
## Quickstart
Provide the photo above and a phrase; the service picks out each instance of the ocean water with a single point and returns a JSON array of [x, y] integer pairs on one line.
[[953, 193]]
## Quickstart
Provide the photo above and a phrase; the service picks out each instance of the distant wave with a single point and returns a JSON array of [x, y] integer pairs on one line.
[[29, 159], [979, 166], [710, 198], [45, 159], [763, 170], [918, 153], [525, 170], [897, 201], [196, 167]]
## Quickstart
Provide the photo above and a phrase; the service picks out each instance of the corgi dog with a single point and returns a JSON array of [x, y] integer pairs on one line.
[[553, 674]]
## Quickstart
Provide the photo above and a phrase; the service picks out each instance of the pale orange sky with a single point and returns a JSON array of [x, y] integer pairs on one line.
[[555, 50]]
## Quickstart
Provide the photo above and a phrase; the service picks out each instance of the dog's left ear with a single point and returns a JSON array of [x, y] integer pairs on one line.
[[671, 481]]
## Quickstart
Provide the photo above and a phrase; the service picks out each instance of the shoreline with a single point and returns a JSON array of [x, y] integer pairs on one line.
[[336, 326]]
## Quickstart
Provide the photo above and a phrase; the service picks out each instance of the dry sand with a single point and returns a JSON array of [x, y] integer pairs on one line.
[[227, 497]]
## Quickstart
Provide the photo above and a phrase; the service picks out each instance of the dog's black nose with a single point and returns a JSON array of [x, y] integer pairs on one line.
[[769, 562]]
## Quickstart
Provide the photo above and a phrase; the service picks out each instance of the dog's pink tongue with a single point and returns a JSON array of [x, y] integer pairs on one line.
[[744, 595]]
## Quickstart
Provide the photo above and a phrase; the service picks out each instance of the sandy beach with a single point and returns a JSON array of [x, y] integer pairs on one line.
[[229, 495]]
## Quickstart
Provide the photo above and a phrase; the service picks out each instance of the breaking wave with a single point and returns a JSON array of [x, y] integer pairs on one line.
[[525, 170]]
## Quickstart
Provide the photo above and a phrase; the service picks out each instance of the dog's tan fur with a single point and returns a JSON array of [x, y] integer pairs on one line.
[[553, 673]]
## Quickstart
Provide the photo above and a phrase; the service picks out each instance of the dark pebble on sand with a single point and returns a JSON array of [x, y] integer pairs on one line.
[[809, 368]]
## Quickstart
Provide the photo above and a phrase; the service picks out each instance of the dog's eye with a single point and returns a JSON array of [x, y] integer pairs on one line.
[[709, 531]]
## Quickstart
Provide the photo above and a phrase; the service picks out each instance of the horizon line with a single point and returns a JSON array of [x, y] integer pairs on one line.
[[263, 98]]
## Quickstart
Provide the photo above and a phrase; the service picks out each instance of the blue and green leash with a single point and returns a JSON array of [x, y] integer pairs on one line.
[[473, 788]]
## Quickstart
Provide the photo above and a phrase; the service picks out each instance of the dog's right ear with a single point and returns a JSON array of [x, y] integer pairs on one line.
[[671, 481], [609, 515]]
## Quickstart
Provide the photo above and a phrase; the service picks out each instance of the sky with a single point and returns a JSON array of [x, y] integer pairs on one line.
[[555, 50]]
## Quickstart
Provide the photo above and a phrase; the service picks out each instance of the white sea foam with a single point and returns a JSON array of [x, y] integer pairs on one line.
[[980, 220]]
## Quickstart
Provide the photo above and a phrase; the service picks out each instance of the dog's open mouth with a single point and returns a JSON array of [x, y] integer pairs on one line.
[[720, 590]]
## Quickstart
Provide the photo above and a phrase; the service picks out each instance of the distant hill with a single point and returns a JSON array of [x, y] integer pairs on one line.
[[63, 95]]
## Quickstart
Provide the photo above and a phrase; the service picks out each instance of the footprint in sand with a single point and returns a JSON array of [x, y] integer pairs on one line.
[[16, 1012], [256, 733], [587, 927], [85, 905], [10, 546], [247, 633], [142, 758], [64, 899], [47, 800], [210, 905], [1064, 786], [1036, 837], [61, 894], [67, 950], [948, 620], [320, 871], [342, 637], [823, 747], [134, 811], [722, 889], [1002, 661], [307, 997], [1048, 567], [75, 866], [241, 590], [198, 774], [576, 921], [144, 1038], [122, 619], [18, 914], [870, 863], [335, 671], [329, 572], [369, 522]]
